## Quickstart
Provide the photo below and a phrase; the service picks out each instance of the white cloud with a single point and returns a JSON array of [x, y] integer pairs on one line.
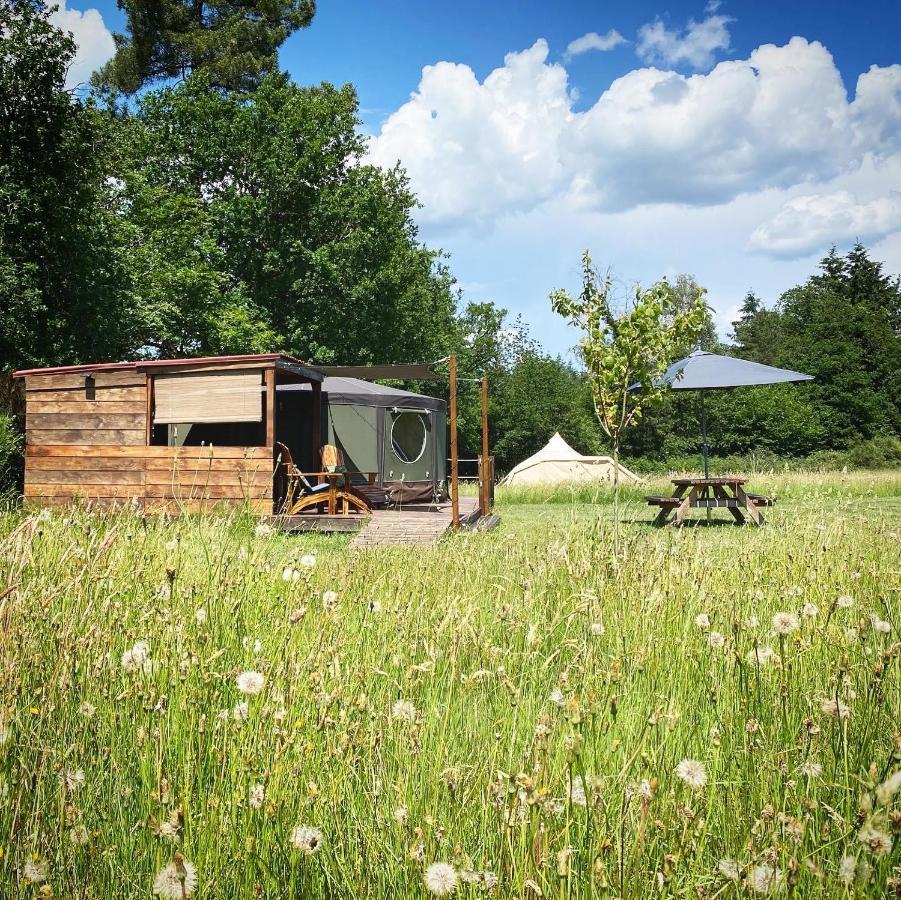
[[594, 41], [476, 150], [92, 38], [696, 45], [808, 223]]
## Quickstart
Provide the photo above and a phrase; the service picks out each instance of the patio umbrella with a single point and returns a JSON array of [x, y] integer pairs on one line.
[[703, 371]]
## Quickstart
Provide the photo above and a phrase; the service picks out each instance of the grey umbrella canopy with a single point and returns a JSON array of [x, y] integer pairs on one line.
[[703, 371]]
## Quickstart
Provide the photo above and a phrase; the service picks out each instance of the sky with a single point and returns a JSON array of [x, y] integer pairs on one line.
[[733, 141]]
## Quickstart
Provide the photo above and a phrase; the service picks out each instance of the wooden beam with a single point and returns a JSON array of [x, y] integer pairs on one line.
[[269, 376], [484, 494], [148, 412], [316, 423], [455, 484]]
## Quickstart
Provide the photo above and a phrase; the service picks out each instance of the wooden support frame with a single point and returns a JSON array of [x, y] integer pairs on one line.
[[455, 481], [485, 467], [269, 414]]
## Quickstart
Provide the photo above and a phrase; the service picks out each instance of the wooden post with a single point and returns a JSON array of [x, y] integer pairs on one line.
[[455, 486], [270, 406], [485, 468], [316, 425]]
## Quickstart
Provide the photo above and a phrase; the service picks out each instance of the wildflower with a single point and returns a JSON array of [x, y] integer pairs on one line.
[[440, 879], [256, 796], [137, 657], [764, 879], [87, 709], [308, 561], [702, 620], [729, 869], [760, 656], [241, 711], [887, 790], [577, 792], [73, 779], [810, 610], [176, 880], [250, 682], [847, 869], [78, 835], [845, 602], [306, 839], [36, 870], [329, 600], [880, 625], [597, 629], [716, 640], [878, 842], [785, 623], [403, 711], [834, 707], [200, 616], [693, 773]]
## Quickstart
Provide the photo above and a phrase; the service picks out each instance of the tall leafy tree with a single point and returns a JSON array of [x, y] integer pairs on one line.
[[235, 42], [59, 278], [260, 204]]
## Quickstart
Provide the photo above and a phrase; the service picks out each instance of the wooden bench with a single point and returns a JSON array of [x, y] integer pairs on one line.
[[760, 500], [664, 501]]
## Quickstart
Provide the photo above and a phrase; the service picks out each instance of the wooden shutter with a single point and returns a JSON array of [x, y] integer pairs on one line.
[[210, 397]]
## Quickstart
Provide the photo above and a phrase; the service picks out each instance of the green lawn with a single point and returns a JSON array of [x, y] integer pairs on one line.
[[542, 715]]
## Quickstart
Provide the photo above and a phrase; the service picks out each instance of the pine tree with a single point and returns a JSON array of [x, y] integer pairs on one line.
[[234, 41]]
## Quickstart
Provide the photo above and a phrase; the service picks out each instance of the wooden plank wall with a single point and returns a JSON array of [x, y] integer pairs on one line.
[[92, 444]]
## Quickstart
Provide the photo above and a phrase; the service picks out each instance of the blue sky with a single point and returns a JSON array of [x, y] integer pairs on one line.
[[733, 141]]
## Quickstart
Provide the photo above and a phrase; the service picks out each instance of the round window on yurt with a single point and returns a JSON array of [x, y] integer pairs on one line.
[[408, 436]]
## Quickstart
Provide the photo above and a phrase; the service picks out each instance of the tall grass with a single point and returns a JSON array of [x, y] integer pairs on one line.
[[511, 704]]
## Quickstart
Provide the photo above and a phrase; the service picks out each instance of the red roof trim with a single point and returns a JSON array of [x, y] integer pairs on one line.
[[160, 364]]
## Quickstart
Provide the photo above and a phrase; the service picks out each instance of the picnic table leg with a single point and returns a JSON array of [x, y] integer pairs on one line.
[[685, 506], [665, 511], [747, 505], [723, 494]]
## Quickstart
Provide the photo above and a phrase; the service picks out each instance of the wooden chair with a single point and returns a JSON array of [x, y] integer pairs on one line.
[[333, 494]]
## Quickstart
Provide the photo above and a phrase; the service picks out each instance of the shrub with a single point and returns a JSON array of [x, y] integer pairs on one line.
[[11, 449], [880, 452]]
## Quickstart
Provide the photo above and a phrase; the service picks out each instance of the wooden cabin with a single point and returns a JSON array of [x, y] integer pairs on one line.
[[175, 434]]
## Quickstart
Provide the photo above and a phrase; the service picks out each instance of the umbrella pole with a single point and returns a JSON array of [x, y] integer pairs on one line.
[[704, 449]]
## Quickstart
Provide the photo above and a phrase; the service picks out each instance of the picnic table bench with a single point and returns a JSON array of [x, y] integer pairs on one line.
[[710, 493]]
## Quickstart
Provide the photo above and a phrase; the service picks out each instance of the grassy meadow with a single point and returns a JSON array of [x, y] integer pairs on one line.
[[196, 707]]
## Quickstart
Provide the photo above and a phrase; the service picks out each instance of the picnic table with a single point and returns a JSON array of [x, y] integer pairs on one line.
[[710, 493]]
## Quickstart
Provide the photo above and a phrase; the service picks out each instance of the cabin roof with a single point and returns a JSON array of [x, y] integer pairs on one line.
[[280, 360]]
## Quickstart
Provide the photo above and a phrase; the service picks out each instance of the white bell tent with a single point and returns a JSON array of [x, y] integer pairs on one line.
[[558, 463]]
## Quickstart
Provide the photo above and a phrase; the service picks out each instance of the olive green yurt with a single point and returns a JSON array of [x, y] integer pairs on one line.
[[397, 434]]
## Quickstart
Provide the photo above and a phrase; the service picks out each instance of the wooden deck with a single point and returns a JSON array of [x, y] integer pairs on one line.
[[412, 525]]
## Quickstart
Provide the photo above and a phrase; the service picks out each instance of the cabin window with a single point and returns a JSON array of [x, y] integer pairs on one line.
[[408, 435], [218, 408]]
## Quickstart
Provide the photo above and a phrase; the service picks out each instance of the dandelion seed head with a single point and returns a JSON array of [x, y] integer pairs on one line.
[[263, 530], [785, 623], [241, 711], [175, 880], [846, 601], [440, 879], [78, 835], [702, 620], [847, 869], [36, 870], [597, 629], [693, 773], [557, 697], [716, 640], [329, 600], [73, 779], [306, 839], [729, 869], [810, 610], [403, 711], [308, 561], [764, 879], [835, 708], [887, 790], [874, 839], [250, 682], [200, 616], [256, 796]]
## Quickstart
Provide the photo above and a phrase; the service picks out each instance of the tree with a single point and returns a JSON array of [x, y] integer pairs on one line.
[[235, 42], [59, 283], [259, 205], [757, 332], [627, 352]]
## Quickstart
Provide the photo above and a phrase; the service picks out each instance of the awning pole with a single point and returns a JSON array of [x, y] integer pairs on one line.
[[485, 473], [455, 487]]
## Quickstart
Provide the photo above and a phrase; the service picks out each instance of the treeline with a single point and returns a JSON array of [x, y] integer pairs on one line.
[[196, 201]]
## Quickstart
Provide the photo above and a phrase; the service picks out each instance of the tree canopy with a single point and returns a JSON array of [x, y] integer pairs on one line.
[[235, 42]]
